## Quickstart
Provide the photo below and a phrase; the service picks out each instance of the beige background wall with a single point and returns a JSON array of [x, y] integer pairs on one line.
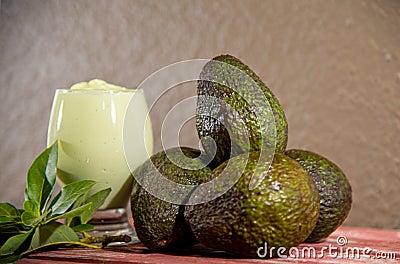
[[335, 66]]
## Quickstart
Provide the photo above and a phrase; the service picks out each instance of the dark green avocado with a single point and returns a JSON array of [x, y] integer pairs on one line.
[[227, 84], [281, 211], [160, 225], [334, 190]]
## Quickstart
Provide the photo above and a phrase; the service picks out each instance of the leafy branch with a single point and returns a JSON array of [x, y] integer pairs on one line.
[[37, 226]]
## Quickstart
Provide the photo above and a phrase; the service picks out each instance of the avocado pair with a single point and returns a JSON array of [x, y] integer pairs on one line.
[[301, 196]]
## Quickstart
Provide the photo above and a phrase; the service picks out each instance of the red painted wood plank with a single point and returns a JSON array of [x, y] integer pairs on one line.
[[369, 242]]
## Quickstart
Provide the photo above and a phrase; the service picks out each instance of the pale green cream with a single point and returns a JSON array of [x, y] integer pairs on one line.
[[88, 122], [97, 84]]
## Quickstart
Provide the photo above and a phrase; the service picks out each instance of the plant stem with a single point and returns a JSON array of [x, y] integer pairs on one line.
[[105, 240]]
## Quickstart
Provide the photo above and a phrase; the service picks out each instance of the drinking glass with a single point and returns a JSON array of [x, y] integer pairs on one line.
[[89, 126]]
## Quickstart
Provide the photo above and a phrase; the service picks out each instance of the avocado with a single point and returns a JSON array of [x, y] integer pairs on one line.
[[281, 211], [334, 190], [160, 225], [227, 85]]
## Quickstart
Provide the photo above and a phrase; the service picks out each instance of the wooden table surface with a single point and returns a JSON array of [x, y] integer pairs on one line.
[[373, 246]]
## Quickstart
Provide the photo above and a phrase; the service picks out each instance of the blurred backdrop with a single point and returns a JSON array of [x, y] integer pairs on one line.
[[334, 65]]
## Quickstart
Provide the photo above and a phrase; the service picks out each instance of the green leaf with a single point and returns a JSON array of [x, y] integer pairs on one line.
[[69, 194], [29, 219], [6, 219], [30, 207], [53, 201], [8, 213], [7, 209], [73, 213], [10, 259], [15, 244], [64, 244], [97, 200], [41, 179], [83, 227], [12, 228], [52, 232], [80, 201], [51, 168]]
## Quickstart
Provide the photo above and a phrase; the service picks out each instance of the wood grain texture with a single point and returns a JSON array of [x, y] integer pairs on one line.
[[334, 65], [379, 241]]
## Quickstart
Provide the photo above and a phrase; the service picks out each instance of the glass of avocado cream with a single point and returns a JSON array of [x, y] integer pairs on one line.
[[87, 120]]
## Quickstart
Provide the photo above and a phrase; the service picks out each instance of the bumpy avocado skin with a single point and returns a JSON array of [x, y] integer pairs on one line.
[[334, 190], [281, 211], [208, 126], [160, 225]]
